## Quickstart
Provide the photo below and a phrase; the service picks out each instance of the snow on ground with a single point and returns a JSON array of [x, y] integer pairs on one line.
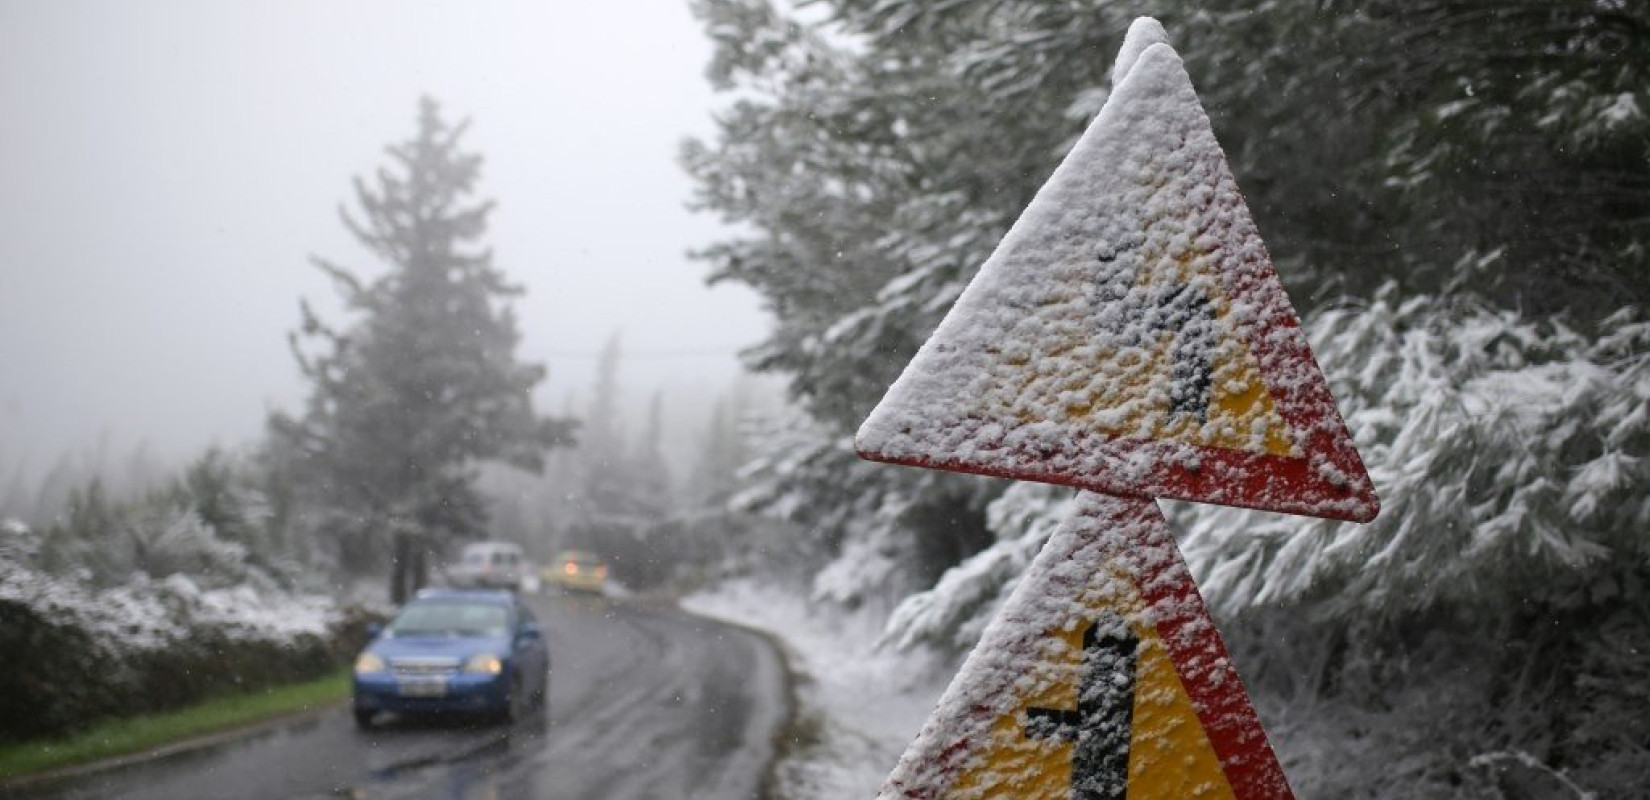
[[858, 707]]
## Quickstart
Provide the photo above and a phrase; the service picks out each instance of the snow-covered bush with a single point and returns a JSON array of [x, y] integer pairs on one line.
[[952, 615], [187, 618], [875, 534], [1510, 458]]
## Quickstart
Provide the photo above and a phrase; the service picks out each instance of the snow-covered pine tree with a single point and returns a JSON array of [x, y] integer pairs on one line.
[[604, 457], [425, 382], [849, 190], [723, 449], [650, 478], [1477, 156]]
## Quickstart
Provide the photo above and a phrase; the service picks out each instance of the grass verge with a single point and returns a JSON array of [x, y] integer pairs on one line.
[[139, 734]]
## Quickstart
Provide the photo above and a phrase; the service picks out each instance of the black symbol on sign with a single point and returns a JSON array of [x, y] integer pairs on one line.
[[1193, 374], [1179, 310], [1100, 727]]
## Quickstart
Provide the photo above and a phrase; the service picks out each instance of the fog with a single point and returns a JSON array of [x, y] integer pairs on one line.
[[166, 169]]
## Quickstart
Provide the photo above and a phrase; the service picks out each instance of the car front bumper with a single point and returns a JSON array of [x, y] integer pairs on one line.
[[579, 583], [453, 693]]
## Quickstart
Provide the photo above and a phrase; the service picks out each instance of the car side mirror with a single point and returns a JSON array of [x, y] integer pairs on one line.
[[374, 629], [529, 633]]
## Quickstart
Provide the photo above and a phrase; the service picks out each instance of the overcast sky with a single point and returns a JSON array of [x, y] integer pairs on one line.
[[166, 167]]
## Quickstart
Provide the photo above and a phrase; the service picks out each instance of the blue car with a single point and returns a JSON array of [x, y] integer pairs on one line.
[[455, 651]]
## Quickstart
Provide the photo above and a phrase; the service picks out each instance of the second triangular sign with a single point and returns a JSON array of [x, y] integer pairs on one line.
[[1102, 678]]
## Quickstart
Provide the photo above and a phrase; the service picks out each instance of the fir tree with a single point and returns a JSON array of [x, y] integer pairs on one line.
[[722, 452], [425, 383], [651, 481], [603, 455]]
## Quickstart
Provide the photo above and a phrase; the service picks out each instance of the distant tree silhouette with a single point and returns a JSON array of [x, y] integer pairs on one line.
[[425, 382]]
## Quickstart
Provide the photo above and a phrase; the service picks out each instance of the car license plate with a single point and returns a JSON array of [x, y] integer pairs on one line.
[[435, 687]]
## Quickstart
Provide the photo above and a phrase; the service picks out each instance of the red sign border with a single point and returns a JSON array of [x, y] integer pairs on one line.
[[1222, 476], [1199, 655]]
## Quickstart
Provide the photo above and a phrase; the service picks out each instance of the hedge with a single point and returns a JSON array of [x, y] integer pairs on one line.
[[63, 673]]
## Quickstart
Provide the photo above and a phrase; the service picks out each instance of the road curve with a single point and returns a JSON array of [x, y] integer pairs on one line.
[[644, 703]]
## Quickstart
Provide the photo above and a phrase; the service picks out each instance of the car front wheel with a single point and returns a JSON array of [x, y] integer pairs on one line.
[[363, 719], [516, 703], [541, 698]]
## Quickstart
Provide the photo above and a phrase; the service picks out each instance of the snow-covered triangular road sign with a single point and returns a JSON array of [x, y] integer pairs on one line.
[[1101, 677], [1129, 335]]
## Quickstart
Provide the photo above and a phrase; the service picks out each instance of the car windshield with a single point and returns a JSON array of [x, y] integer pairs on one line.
[[451, 619]]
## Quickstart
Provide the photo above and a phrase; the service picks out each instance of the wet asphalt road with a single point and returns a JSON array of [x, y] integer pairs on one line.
[[644, 703]]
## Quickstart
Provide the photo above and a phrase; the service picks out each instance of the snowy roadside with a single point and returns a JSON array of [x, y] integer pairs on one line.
[[858, 707]]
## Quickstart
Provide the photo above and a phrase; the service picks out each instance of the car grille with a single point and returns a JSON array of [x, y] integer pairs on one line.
[[424, 667]]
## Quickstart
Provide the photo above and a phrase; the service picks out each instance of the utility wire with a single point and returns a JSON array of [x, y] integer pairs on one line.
[[628, 354]]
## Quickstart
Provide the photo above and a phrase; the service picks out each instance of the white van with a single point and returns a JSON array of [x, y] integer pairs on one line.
[[489, 565]]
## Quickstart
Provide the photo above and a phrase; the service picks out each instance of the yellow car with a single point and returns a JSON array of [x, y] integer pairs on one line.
[[578, 571]]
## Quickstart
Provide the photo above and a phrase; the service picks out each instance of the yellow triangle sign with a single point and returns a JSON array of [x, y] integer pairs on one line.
[[1129, 335], [1102, 677]]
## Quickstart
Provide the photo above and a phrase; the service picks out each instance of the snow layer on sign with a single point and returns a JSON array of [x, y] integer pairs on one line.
[[1102, 677], [1143, 33], [1129, 334]]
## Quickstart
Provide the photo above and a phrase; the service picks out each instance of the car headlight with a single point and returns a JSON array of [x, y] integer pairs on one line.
[[367, 663], [484, 664]]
